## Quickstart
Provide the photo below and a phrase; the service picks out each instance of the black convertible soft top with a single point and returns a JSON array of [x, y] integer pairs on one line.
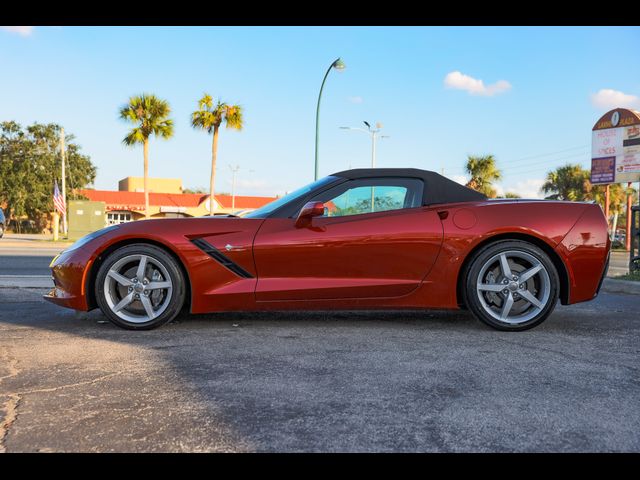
[[437, 189]]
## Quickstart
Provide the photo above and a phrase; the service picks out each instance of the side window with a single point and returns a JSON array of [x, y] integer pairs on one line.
[[372, 195]]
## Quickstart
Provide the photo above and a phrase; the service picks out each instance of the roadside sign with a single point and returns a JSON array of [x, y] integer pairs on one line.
[[603, 170], [615, 144]]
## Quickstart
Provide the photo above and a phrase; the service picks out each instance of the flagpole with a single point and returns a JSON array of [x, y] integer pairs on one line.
[[64, 183]]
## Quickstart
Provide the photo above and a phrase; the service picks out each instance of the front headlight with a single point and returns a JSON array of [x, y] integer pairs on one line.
[[87, 238]]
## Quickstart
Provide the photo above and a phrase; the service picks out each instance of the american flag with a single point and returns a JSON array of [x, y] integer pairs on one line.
[[58, 201]]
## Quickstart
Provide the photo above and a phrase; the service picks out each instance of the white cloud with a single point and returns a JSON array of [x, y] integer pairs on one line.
[[529, 188], [607, 99], [474, 86], [356, 99], [23, 30]]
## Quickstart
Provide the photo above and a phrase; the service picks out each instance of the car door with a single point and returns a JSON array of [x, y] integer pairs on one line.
[[375, 240]]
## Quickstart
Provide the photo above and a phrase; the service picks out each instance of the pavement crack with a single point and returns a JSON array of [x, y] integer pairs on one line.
[[71, 385], [568, 355], [11, 414], [11, 405], [12, 366]]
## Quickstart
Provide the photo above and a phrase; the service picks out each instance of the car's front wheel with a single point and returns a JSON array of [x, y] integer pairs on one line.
[[511, 285], [140, 287]]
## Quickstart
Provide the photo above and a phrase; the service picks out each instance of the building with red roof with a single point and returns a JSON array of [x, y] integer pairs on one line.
[[127, 203]]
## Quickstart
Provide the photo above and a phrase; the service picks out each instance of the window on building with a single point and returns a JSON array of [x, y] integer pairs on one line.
[[115, 218]]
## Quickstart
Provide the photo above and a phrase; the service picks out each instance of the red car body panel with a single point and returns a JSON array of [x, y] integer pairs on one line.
[[371, 255], [409, 258]]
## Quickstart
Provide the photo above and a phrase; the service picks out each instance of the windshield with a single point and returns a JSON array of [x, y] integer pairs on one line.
[[266, 210]]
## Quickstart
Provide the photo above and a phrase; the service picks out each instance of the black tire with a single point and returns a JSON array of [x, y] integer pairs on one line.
[[176, 296], [485, 256]]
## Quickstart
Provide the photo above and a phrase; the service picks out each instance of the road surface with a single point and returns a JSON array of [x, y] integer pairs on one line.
[[309, 382]]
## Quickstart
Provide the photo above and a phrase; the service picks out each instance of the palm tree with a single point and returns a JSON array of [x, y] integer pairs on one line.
[[483, 173], [150, 114], [570, 182], [209, 117], [617, 199]]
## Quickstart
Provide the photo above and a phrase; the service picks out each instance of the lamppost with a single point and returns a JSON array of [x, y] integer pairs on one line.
[[234, 170], [374, 133], [339, 65]]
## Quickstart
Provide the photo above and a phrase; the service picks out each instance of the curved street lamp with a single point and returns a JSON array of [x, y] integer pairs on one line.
[[339, 65]]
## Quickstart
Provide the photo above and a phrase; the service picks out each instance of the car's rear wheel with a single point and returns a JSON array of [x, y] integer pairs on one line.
[[511, 285], [140, 287]]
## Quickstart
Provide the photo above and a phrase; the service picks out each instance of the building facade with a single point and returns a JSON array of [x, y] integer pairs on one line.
[[166, 200]]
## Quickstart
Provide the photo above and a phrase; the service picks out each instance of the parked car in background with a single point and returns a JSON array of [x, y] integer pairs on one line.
[[2, 222]]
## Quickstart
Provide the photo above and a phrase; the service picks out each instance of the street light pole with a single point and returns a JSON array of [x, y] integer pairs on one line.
[[234, 170], [374, 134], [339, 65]]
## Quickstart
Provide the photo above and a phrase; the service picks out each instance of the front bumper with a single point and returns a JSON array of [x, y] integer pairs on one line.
[[69, 271]]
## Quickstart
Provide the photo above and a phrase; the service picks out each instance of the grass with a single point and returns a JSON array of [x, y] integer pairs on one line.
[[634, 276]]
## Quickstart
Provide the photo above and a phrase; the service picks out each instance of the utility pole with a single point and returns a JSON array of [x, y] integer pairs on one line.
[[64, 182]]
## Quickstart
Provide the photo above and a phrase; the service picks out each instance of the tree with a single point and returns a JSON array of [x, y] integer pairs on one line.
[[483, 172], [209, 117], [151, 116], [617, 199], [194, 190], [511, 195], [570, 182], [29, 165]]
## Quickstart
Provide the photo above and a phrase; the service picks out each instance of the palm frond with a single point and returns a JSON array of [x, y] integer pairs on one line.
[[233, 117], [150, 114], [134, 137]]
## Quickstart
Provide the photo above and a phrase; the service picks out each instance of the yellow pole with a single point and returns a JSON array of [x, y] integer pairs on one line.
[[56, 225]]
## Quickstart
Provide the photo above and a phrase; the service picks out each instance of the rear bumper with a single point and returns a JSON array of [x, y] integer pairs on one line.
[[585, 252], [604, 273]]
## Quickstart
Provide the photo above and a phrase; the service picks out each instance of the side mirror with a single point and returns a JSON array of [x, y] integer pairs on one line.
[[310, 210]]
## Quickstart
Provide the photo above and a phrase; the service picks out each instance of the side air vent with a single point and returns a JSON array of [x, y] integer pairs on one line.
[[214, 253]]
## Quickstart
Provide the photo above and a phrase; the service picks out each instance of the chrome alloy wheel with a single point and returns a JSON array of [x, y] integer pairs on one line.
[[138, 288], [513, 287]]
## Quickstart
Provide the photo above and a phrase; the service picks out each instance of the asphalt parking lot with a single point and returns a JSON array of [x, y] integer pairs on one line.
[[347, 381]]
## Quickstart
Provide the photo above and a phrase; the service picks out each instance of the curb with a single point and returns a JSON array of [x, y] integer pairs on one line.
[[629, 287], [26, 281]]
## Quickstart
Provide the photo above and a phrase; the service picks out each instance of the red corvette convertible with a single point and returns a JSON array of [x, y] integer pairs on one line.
[[358, 239]]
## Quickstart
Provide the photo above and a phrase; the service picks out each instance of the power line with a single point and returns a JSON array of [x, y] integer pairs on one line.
[[529, 157], [510, 167], [543, 162]]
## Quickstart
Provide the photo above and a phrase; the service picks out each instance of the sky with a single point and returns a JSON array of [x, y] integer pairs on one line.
[[527, 95]]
